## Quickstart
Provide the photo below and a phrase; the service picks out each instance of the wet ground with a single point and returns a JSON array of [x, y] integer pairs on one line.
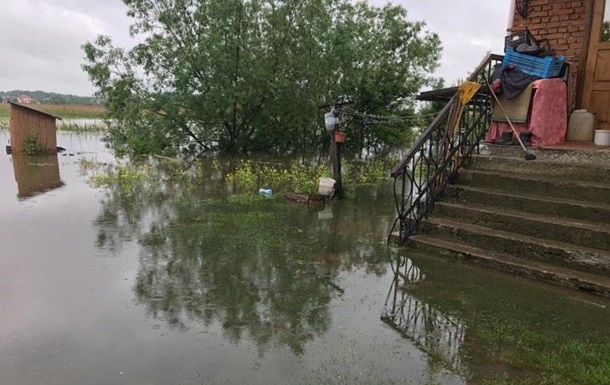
[[162, 281]]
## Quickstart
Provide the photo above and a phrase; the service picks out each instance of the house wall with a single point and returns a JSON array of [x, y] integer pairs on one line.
[[565, 23], [25, 121]]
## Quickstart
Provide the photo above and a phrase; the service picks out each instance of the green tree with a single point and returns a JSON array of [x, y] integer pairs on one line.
[[243, 75], [606, 31], [429, 111]]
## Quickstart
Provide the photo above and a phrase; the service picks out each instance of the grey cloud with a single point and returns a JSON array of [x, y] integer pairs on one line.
[[468, 30], [41, 40]]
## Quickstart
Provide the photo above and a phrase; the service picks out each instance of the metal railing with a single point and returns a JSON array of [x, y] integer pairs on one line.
[[439, 153], [430, 329]]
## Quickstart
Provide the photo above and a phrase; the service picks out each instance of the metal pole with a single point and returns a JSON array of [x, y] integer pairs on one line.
[[335, 160]]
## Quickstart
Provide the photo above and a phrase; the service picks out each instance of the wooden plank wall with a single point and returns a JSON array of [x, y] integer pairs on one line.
[[25, 121], [36, 174]]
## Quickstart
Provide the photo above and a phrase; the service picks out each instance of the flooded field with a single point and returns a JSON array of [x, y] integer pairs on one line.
[[81, 125], [165, 281]]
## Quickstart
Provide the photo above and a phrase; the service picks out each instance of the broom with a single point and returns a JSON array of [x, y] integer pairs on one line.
[[528, 155]]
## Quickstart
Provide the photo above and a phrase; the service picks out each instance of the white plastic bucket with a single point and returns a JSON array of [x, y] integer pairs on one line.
[[326, 186], [602, 137]]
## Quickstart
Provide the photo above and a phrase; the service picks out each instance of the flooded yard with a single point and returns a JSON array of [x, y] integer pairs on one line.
[[163, 281]]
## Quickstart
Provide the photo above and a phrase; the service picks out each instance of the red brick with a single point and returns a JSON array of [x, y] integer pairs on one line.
[[562, 22]]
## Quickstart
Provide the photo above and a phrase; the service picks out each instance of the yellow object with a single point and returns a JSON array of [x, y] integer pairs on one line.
[[467, 90]]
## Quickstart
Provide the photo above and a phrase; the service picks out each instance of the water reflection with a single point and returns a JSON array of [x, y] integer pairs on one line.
[[36, 174], [438, 334], [266, 270]]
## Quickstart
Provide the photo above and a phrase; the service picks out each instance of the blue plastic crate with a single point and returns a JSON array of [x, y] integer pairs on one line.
[[547, 67]]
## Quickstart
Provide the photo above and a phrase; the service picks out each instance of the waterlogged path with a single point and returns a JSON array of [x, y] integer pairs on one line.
[[160, 280]]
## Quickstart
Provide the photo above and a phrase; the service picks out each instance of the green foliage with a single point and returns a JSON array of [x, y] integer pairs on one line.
[[30, 144], [426, 114], [123, 176], [249, 75], [304, 180], [245, 179], [299, 178], [373, 171], [248, 177]]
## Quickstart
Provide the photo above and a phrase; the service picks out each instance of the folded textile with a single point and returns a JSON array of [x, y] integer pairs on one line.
[[510, 81]]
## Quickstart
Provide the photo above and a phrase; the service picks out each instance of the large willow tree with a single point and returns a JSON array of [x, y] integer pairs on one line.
[[249, 75]]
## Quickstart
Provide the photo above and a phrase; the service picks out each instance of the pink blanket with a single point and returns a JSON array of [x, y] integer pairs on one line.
[[548, 121]]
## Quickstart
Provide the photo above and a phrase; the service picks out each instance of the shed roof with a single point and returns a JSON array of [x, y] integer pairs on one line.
[[440, 95], [28, 107]]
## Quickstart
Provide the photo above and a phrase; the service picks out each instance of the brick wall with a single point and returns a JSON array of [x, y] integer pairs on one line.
[[563, 23]]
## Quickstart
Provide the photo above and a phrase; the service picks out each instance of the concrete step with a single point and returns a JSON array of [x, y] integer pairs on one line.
[[508, 182], [551, 169], [541, 226], [556, 207], [593, 283], [593, 155], [523, 246]]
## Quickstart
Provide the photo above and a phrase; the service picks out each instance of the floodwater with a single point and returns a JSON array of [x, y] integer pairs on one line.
[[163, 282]]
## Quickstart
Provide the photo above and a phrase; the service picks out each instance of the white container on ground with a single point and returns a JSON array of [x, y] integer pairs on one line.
[[326, 186], [581, 127], [602, 137]]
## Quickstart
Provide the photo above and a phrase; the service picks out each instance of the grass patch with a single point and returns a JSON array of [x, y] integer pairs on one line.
[[541, 335], [64, 111]]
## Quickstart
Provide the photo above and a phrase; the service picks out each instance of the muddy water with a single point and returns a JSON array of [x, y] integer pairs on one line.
[[165, 281]]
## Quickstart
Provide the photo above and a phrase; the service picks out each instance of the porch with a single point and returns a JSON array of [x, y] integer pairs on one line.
[[460, 194]]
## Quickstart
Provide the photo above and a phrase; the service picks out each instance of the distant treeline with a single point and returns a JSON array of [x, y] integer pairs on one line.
[[48, 97]]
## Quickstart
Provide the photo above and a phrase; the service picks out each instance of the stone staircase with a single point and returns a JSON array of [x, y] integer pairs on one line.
[[547, 219]]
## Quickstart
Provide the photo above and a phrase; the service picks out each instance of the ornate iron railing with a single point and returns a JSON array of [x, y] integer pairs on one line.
[[439, 153]]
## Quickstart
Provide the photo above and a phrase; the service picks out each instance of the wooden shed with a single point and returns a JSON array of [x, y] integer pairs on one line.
[[32, 130]]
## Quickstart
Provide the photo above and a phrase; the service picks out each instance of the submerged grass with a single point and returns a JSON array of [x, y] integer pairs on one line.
[[300, 178], [78, 128], [243, 179], [534, 335], [249, 176]]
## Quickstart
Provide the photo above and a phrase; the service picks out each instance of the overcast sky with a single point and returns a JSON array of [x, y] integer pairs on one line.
[[40, 40]]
